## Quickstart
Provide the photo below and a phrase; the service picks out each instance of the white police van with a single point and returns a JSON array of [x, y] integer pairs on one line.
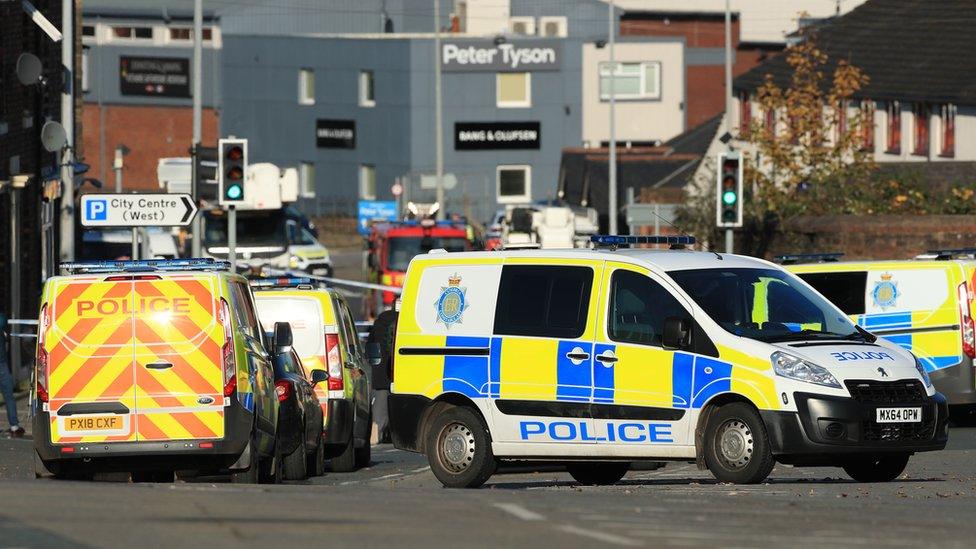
[[598, 358]]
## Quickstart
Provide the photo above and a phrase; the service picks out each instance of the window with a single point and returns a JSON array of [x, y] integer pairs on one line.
[[920, 115], [543, 301], [638, 307], [846, 290], [243, 310], [893, 113], [631, 81], [514, 89], [745, 113], [367, 182], [132, 33], [769, 121], [306, 179], [88, 30], [85, 62], [306, 87], [867, 125], [298, 235], [366, 95], [552, 26], [947, 122], [514, 184], [285, 363], [181, 34], [524, 26], [841, 119]]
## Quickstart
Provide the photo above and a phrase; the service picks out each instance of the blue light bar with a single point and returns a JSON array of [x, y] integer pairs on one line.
[[146, 265], [282, 282], [621, 240], [793, 259]]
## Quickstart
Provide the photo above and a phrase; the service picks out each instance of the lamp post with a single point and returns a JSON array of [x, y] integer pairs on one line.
[[438, 114], [612, 162]]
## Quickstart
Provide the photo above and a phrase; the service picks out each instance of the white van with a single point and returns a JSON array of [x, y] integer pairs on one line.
[[598, 358]]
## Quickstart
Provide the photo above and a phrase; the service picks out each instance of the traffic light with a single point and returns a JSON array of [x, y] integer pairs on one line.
[[728, 199], [231, 169]]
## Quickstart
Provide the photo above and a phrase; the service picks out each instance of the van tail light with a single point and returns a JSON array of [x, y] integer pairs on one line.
[[334, 361], [283, 390], [227, 351], [965, 300], [43, 360]]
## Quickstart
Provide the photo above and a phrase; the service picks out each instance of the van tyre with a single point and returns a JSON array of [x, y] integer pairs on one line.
[[877, 468], [736, 446], [296, 464], [364, 454], [346, 460], [316, 460], [597, 474], [272, 470], [458, 449], [250, 475]]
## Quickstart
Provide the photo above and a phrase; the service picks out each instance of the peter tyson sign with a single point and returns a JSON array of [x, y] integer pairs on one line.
[[512, 56]]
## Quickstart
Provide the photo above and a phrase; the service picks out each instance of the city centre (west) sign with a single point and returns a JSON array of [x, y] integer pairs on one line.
[[137, 210]]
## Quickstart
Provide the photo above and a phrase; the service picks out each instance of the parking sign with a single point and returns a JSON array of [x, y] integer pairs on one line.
[[96, 210]]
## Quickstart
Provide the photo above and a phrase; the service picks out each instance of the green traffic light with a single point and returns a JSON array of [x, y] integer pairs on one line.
[[729, 197], [234, 192]]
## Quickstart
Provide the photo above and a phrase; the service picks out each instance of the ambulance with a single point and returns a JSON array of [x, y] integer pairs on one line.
[[151, 367], [925, 305], [599, 358]]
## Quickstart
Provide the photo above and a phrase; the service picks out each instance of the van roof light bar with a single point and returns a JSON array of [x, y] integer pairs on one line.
[[144, 266], [283, 282], [794, 259], [948, 253], [613, 241]]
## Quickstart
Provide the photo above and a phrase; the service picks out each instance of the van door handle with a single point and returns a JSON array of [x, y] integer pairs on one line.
[[607, 359], [578, 356], [159, 365]]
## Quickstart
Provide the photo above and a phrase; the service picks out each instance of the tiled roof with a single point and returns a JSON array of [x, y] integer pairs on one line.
[[912, 50]]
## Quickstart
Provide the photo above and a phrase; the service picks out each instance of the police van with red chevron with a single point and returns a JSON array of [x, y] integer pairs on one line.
[[599, 358]]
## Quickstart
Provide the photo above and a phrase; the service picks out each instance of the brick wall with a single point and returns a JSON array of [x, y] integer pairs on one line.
[[150, 132], [876, 236]]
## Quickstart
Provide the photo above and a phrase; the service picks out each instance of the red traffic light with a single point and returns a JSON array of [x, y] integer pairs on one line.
[[235, 153]]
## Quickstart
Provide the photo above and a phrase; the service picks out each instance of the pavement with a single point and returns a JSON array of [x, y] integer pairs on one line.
[[397, 501]]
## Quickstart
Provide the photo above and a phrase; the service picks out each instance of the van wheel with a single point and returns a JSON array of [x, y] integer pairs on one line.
[[295, 464], [346, 460], [45, 470], [364, 454], [316, 460], [272, 470], [249, 476], [597, 474], [877, 468], [736, 446], [459, 449]]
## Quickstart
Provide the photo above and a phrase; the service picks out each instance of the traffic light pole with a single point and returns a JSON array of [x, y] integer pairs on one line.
[[195, 228], [728, 241], [232, 237]]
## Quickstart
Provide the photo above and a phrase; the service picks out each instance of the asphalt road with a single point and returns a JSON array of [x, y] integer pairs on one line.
[[397, 501]]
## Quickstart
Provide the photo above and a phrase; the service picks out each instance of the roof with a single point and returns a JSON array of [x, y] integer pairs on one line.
[[912, 50], [842, 266]]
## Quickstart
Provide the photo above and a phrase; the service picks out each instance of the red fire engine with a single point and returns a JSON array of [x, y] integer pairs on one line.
[[392, 245]]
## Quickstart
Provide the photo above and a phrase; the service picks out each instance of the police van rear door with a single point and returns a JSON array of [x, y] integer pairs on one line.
[[90, 353], [178, 368]]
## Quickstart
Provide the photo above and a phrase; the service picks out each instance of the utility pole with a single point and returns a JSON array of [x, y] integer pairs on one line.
[[68, 122], [438, 114], [196, 233], [612, 162], [117, 166], [728, 98]]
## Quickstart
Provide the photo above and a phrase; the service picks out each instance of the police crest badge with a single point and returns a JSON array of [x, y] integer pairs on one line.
[[885, 292], [452, 302]]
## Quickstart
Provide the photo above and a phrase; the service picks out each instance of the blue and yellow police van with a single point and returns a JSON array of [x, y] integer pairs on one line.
[[597, 358], [924, 305]]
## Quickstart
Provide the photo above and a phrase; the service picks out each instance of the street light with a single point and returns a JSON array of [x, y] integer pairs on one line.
[[612, 162]]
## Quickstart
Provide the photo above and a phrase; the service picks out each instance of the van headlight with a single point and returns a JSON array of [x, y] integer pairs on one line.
[[921, 371], [793, 367]]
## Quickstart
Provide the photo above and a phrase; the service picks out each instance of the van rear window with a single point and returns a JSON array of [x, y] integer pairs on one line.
[[846, 290], [543, 301]]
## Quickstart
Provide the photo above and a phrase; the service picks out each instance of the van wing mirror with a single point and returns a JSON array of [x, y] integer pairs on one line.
[[677, 333], [374, 354], [282, 339], [319, 376]]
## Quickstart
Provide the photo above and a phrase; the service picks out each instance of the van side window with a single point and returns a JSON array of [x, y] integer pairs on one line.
[[244, 310], [638, 307], [543, 301], [846, 290]]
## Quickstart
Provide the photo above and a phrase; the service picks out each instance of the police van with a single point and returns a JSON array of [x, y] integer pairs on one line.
[[598, 358], [151, 367], [925, 305]]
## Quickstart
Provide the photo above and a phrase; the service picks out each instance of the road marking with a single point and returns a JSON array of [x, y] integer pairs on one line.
[[518, 511], [388, 476], [601, 536], [420, 469]]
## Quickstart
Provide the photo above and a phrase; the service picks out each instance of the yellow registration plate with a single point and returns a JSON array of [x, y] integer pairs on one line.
[[93, 423]]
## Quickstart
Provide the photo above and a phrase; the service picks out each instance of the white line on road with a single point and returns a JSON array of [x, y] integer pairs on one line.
[[601, 536], [394, 475], [420, 469], [518, 511]]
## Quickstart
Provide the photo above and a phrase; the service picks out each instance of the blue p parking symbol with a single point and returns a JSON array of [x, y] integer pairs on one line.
[[97, 210]]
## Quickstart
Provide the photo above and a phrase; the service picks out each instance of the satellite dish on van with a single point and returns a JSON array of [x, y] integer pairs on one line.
[[53, 136], [29, 69]]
